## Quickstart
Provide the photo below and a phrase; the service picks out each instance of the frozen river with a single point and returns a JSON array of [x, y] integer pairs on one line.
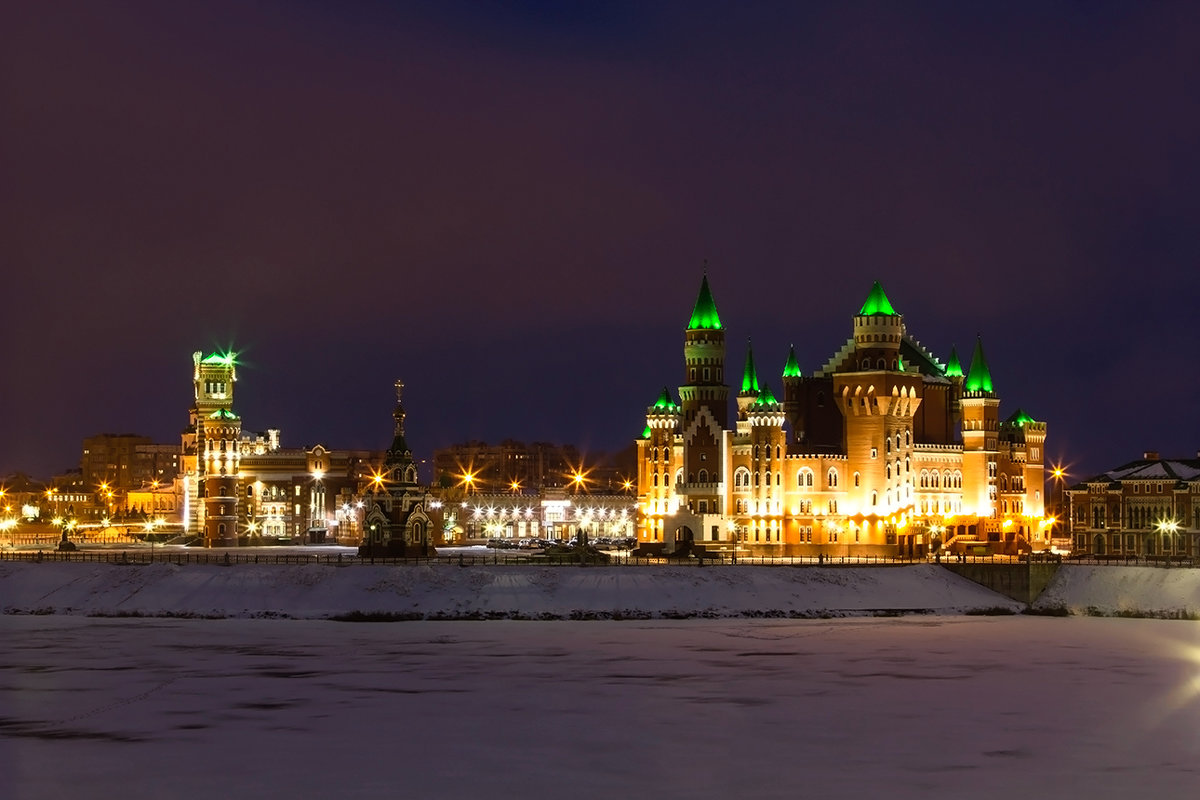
[[907, 707]]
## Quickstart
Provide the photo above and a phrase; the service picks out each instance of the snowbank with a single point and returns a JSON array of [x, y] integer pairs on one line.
[[1123, 591], [519, 592]]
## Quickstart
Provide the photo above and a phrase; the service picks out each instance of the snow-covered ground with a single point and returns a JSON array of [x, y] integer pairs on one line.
[[912, 707], [1114, 590], [446, 591]]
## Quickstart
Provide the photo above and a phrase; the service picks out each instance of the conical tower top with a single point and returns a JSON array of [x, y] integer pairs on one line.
[[979, 378], [877, 304], [749, 376], [792, 368], [704, 315], [953, 365]]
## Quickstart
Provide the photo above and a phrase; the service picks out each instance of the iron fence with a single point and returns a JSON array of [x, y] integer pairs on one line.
[[231, 558]]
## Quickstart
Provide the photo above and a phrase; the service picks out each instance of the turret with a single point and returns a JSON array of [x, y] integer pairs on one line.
[[704, 361], [878, 331], [657, 466], [980, 429], [749, 392]]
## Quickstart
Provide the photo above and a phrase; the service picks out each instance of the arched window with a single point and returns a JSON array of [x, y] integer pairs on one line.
[[923, 479], [703, 476], [907, 437], [897, 440], [741, 477], [889, 472], [832, 478], [887, 445], [874, 498], [656, 479], [804, 478], [777, 451], [779, 478]]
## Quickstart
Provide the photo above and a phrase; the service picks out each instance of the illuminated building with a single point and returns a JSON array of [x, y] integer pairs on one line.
[[883, 450], [238, 485], [533, 467], [1147, 507], [400, 516]]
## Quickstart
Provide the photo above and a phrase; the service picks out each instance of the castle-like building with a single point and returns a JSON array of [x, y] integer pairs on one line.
[[882, 451]]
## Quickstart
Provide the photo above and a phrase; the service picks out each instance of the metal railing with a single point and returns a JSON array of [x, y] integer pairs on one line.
[[501, 558]]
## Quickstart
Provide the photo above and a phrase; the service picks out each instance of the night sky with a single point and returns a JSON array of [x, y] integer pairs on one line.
[[508, 206]]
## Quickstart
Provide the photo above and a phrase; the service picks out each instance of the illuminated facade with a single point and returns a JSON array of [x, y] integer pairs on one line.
[[1148, 507], [400, 516], [882, 451]]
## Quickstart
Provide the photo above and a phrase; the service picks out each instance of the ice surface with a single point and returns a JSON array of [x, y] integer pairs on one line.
[[913, 707]]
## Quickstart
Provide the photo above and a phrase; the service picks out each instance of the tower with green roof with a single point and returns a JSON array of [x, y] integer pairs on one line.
[[659, 460], [211, 451], [704, 361], [749, 392], [980, 436], [878, 331]]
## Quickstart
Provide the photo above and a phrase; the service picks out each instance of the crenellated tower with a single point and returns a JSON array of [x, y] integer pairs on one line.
[[658, 463], [980, 435], [704, 404], [211, 457], [878, 398], [768, 449]]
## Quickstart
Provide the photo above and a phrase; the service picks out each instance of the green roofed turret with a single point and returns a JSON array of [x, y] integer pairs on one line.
[[792, 368], [979, 378], [1019, 417], [664, 404], [953, 366], [877, 304], [765, 397], [704, 315], [749, 376]]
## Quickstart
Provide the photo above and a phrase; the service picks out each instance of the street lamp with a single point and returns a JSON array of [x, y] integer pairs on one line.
[[1167, 527]]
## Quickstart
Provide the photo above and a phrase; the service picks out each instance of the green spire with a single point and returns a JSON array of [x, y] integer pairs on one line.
[[704, 315], [1019, 417], [791, 369], [749, 376], [765, 397], [646, 432], [953, 367], [979, 379], [900, 363], [877, 303], [665, 403]]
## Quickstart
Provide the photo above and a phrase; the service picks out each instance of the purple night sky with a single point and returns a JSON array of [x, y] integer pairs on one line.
[[507, 206]]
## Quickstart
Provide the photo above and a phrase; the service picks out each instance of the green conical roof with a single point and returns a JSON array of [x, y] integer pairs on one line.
[[221, 358], [704, 315], [222, 413], [979, 379], [749, 376], [765, 397], [646, 432], [1019, 417], [877, 303], [791, 369], [953, 367], [664, 402], [900, 363]]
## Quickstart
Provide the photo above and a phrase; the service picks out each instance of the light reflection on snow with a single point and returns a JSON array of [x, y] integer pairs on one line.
[[911, 707]]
